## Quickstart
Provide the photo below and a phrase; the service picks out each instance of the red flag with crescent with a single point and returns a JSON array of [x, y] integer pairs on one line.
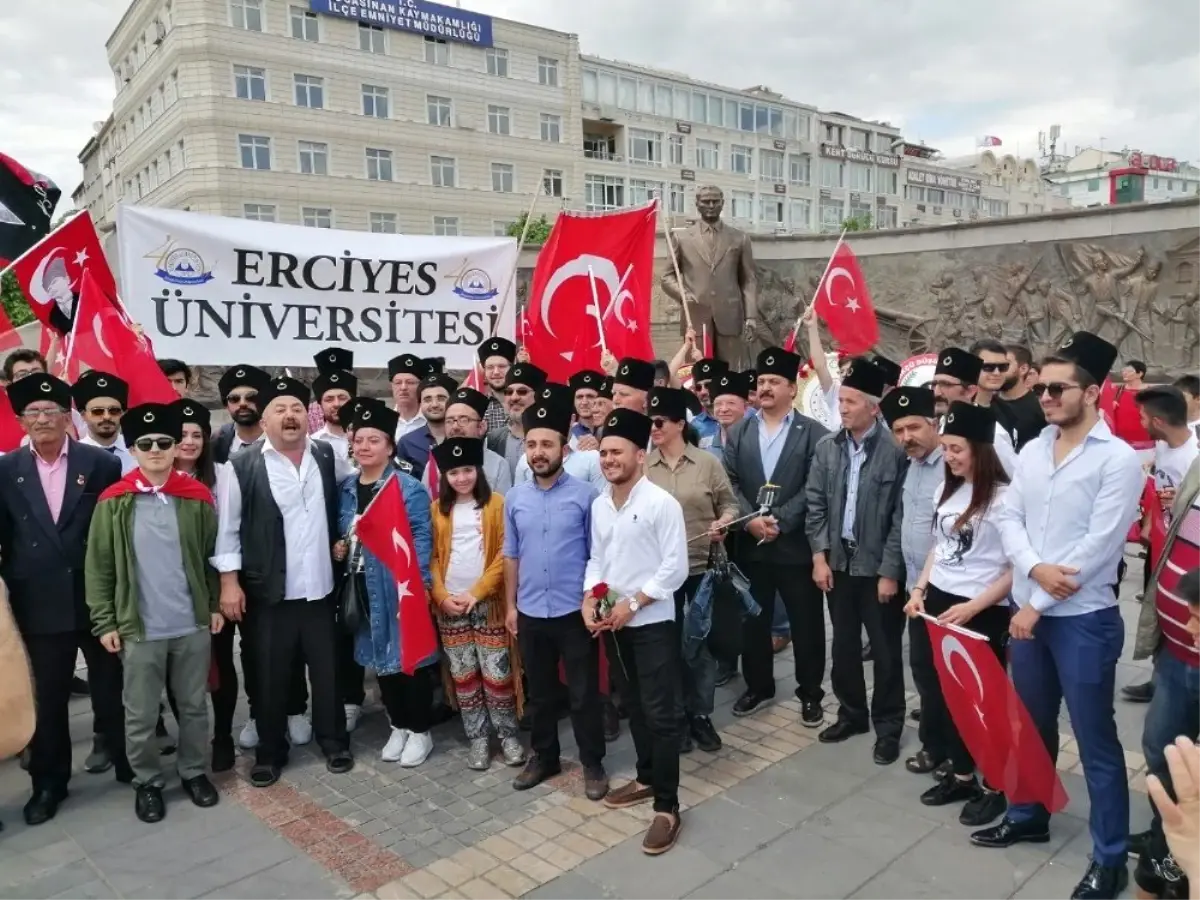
[[592, 277], [384, 530], [844, 302], [991, 719]]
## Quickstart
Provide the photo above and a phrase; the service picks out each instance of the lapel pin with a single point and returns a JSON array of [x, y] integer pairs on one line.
[[81, 480], [20, 479]]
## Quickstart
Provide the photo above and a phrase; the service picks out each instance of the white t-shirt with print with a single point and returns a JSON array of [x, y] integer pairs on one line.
[[466, 548], [966, 561]]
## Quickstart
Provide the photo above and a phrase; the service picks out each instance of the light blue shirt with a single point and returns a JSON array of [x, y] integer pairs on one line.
[[581, 464], [1077, 514], [770, 446], [916, 530], [707, 428], [858, 456]]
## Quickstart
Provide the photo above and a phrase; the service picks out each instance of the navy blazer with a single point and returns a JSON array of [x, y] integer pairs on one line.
[[414, 449], [41, 560]]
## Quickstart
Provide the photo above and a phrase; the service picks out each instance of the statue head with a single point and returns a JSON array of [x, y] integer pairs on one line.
[[1043, 287], [1101, 262], [710, 200], [1152, 270]]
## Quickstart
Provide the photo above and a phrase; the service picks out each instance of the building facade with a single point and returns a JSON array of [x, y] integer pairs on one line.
[[1089, 177]]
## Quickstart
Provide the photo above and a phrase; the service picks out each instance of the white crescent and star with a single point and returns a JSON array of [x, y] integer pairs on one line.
[[952, 647], [834, 274], [603, 271], [98, 334], [401, 544]]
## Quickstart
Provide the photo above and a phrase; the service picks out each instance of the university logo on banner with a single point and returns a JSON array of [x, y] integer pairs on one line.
[[219, 291]]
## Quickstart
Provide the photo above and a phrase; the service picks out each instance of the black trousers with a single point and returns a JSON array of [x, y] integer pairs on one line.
[[919, 667], [52, 660], [543, 643], [646, 662], [351, 676], [284, 635], [802, 600], [408, 700], [854, 605], [225, 697], [993, 623]]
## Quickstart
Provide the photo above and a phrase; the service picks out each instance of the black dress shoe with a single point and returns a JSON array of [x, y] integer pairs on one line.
[[922, 762], [263, 775], [1101, 882], [705, 734], [201, 790], [811, 714], [987, 807], [612, 723], [534, 773], [339, 762], [43, 805], [148, 804], [750, 703], [952, 790], [1009, 832], [223, 754], [841, 730], [1138, 693], [887, 751]]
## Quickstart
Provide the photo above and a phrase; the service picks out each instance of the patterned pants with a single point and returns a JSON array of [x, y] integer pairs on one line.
[[479, 665]]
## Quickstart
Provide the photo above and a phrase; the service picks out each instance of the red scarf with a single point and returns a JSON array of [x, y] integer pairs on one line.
[[178, 485]]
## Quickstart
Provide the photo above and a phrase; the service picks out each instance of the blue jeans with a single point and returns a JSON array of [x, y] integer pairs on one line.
[[1175, 710], [779, 624]]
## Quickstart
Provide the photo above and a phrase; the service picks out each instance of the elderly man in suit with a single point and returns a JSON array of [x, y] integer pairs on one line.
[[775, 446], [48, 492], [716, 266]]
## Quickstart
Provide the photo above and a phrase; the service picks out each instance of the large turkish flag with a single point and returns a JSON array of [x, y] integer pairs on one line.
[[844, 302]]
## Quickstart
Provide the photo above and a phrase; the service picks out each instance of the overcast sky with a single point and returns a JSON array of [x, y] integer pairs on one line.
[[1127, 74]]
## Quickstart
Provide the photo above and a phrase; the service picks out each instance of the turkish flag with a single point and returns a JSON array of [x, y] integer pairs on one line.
[[992, 720], [844, 302], [104, 340], [11, 432], [384, 530], [594, 272]]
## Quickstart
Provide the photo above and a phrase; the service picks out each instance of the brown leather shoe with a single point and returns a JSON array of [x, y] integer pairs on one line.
[[535, 772], [629, 794], [662, 834], [779, 644], [595, 783]]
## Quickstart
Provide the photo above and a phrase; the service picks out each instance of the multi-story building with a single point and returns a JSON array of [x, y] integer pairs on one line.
[[1094, 177], [858, 172]]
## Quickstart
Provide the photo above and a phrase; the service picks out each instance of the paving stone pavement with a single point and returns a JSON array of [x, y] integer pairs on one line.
[[774, 814]]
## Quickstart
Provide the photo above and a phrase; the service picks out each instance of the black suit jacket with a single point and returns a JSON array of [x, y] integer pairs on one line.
[[743, 463], [42, 560]]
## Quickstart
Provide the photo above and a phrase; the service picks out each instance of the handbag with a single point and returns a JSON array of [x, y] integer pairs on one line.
[[728, 612], [354, 607]]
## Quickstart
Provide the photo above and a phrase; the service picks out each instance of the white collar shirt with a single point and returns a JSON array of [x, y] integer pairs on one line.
[[118, 449], [340, 443], [407, 425]]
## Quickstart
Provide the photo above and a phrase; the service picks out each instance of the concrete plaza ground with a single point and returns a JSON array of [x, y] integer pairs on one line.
[[774, 814]]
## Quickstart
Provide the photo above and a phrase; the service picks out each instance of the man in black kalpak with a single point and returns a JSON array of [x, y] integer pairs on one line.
[[238, 389]]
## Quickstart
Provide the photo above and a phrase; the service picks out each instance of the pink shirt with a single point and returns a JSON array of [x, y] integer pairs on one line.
[[53, 477]]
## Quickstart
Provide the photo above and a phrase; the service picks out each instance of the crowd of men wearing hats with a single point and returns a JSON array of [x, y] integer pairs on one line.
[[619, 487]]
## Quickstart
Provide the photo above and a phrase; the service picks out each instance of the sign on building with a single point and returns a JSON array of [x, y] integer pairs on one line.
[[417, 16]]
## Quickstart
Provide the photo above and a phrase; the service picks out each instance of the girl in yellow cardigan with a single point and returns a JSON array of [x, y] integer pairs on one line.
[[468, 594]]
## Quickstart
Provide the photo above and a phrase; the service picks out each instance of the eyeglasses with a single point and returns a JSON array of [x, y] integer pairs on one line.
[[995, 367], [147, 444], [462, 420], [114, 411], [947, 383], [1055, 389], [250, 397], [32, 415], [517, 392], [658, 423]]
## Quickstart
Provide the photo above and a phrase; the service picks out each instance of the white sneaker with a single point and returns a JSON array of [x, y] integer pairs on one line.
[[417, 749], [299, 730], [394, 747], [353, 711], [248, 739]]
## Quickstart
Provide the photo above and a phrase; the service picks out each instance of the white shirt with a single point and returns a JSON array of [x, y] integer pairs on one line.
[[581, 464], [967, 561], [1077, 514], [407, 425], [300, 497], [466, 548], [640, 547], [1171, 464], [340, 444], [118, 449]]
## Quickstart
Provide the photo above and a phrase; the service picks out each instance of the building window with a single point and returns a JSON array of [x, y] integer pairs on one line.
[[937, 196], [551, 127], [590, 86], [675, 150], [552, 182], [250, 83], [801, 214], [375, 101], [499, 120], [305, 26], [831, 215], [379, 165], [255, 152], [1093, 184], [708, 155], [437, 51], [310, 91], [831, 174], [183, 157], [503, 178], [741, 205], [445, 226], [599, 146], [382, 223], [442, 171], [246, 14], [832, 134], [317, 216], [497, 61], [799, 168], [771, 165], [645, 147], [601, 192], [741, 159], [885, 216], [258, 212], [499, 229], [642, 192], [771, 210], [860, 177], [314, 158], [371, 38], [677, 199], [439, 110], [887, 181], [547, 71]]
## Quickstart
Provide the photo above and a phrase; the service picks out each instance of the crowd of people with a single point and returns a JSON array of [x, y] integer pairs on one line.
[[563, 533]]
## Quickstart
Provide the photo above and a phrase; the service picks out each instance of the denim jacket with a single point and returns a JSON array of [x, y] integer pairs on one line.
[[377, 645], [697, 620]]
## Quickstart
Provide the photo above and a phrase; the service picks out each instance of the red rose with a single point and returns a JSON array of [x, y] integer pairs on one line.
[[599, 591]]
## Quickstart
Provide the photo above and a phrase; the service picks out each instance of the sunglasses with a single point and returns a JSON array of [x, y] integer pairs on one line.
[[147, 444], [1055, 389], [995, 367], [658, 422], [250, 397], [517, 392], [104, 410]]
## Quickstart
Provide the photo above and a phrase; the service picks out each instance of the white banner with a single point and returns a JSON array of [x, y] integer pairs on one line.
[[220, 291]]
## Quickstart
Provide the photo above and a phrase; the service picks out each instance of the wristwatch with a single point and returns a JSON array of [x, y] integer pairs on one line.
[[633, 604]]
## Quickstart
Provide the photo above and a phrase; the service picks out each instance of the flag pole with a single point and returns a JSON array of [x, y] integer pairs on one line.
[[512, 276], [828, 265], [958, 629], [687, 313], [596, 308]]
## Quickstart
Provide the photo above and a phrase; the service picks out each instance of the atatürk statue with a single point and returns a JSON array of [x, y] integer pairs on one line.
[[719, 286]]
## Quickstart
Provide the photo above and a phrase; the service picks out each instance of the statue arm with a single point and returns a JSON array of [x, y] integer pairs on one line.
[[748, 278], [669, 283]]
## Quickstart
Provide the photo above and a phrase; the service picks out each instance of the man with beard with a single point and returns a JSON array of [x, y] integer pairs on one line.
[[416, 447], [956, 377], [1063, 521], [464, 418], [496, 357], [405, 373], [586, 386], [521, 384], [583, 464], [335, 390], [238, 389], [639, 550], [277, 527], [704, 373], [547, 543], [1016, 401], [993, 375], [101, 399], [631, 383]]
